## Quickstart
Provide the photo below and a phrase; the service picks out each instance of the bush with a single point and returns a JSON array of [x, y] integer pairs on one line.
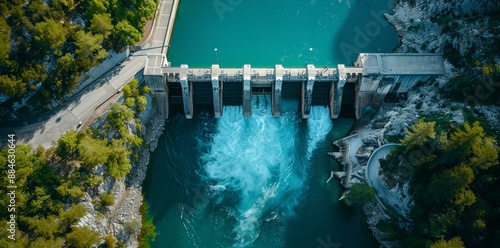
[[359, 194], [107, 199]]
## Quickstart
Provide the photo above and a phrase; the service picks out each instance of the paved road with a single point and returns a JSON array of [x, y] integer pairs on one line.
[[80, 107]]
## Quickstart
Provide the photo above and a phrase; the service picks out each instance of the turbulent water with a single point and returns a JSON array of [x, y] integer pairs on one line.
[[259, 165], [260, 181], [252, 181]]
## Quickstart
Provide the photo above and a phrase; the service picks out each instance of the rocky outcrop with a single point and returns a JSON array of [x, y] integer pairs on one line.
[[427, 25], [431, 26], [123, 220]]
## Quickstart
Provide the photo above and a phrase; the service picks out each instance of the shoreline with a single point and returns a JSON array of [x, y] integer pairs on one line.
[[123, 219], [417, 34]]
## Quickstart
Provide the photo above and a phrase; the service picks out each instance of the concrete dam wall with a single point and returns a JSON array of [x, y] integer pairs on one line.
[[371, 77]]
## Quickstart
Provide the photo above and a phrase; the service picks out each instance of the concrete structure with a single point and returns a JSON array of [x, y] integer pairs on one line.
[[372, 76]]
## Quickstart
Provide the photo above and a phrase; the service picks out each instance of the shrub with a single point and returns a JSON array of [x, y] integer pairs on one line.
[[107, 199]]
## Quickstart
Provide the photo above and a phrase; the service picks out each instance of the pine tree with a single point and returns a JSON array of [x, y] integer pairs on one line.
[[455, 242], [93, 152], [82, 237], [446, 184], [67, 144], [421, 132]]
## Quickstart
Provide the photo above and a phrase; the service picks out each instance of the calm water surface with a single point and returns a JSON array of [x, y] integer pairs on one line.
[[264, 33]]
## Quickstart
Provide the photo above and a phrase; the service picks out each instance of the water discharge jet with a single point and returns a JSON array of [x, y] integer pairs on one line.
[[260, 160]]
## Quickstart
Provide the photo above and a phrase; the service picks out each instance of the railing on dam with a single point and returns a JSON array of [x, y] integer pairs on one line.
[[373, 76]]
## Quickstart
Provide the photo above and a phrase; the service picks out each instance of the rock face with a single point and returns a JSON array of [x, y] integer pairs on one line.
[[420, 24], [123, 219], [429, 26]]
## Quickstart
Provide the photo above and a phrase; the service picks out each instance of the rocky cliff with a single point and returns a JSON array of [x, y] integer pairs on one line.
[[123, 219], [467, 32]]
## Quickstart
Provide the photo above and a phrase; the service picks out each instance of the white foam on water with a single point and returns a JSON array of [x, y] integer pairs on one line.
[[259, 159]]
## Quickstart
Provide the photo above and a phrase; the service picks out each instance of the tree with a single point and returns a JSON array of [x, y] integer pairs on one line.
[[63, 3], [439, 223], [101, 24], [68, 189], [44, 243], [359, 194], [107, 199], [126, 35], [93, 7], [447, 184], [93, 152], [130, 102], [72, 215], [67, 144], [35, 73], [4, 39], [89, 49], [464, 198], [50, 34], [118, 115], [421, 132], [12, 86], [110, 241], [455, 242], [485, 154], [131, 89], [82, 237], [118, 165], [66, 63], [141, 104], [47, 228], [146, 9], [461, 141]]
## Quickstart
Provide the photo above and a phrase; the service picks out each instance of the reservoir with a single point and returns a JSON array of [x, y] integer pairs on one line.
[[264, 33], [259, 181]]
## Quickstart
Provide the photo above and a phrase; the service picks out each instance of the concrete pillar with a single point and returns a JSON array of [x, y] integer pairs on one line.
[[247, 91], [339, 90], [307, 90], [217, 91], [276, 94], [331, 99], [187, 92]]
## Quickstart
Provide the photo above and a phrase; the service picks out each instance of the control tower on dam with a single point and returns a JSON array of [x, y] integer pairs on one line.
[[371, 78]]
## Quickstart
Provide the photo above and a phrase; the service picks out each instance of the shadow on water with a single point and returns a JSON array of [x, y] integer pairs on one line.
[[365, 31], [173, 172], [323, 221]]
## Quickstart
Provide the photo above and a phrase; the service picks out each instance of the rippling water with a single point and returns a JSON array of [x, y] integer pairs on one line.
[[250, 182], [260, 181]]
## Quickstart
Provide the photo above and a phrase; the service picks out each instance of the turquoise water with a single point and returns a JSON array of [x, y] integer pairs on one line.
[[251, 182], [264, 33], [260, 181]]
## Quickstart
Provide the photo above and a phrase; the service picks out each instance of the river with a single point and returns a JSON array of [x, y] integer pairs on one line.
[[260, 181]]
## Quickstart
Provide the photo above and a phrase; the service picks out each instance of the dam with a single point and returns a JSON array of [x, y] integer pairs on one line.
[[222, 179], [372, 76]]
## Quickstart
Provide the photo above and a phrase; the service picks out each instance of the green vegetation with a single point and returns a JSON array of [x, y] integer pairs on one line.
[[51, 183], [46, 46], [452, 175], [473, 86], [148, 230], [359, 194]]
